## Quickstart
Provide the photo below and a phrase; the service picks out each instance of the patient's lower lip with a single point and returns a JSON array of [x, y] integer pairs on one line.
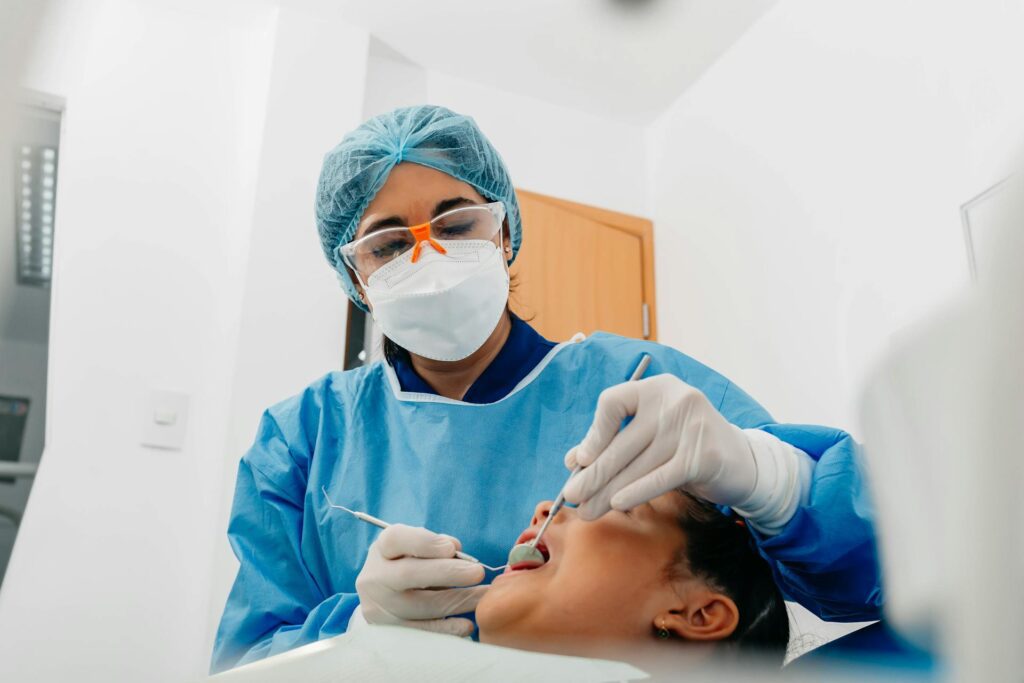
[[525, 565], [521, 567]]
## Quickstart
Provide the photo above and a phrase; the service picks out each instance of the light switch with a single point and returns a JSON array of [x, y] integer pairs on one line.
[[165, 418]]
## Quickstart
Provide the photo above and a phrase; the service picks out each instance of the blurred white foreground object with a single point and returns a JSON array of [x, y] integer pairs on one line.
[[943, 419], [390, 653]]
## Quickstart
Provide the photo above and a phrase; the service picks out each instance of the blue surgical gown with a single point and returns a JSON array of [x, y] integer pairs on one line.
[[476, 471]]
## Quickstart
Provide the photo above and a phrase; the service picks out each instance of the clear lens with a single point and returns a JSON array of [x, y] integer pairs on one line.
[[469, 223], [377, 249], [367, 254]]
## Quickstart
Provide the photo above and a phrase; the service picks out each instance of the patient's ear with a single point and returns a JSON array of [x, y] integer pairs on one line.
[[704, 615]]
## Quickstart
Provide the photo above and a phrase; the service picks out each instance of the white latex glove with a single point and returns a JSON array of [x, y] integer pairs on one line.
[[410, 578], [677, 439]]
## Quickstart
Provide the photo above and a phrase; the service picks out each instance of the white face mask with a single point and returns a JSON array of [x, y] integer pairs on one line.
[[444, 306]]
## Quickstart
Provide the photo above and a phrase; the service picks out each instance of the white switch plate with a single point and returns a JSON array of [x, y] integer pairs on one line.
[[164, 420]]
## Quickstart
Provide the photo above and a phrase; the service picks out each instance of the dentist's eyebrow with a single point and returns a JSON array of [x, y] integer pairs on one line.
[[452, 203], [382, 223], [399, 222]]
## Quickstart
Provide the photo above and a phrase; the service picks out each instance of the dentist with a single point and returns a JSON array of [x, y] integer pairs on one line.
[[473, 416]]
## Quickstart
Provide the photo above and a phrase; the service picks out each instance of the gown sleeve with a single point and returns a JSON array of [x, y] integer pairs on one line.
[[275, 603], [826, 556]]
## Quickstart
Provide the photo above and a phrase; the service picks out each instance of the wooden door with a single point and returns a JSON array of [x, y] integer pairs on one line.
[[583, 269]]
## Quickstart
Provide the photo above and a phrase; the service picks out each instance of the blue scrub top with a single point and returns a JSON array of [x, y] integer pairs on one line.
[[475, 470]]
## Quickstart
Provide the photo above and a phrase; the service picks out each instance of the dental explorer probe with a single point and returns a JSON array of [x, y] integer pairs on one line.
[[513, 556], [370, 519]]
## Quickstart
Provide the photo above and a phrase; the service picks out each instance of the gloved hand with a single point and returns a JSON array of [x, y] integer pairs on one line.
[[409, 578], [676, 439]]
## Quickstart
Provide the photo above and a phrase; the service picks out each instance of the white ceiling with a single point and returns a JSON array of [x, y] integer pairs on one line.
[[623, 59]]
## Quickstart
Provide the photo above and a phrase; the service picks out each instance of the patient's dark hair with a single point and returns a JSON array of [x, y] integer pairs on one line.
[[720, 551]]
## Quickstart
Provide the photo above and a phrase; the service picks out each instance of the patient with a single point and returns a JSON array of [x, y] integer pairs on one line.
[[670, 573]]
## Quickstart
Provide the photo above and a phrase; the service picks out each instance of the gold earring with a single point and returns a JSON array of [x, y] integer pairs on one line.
[[662, 631]]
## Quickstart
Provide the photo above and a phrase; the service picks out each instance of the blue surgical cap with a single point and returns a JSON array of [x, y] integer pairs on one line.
[[355, 170]]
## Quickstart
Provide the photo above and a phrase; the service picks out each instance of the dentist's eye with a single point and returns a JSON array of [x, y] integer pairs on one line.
[[456, 231], [385, 251]]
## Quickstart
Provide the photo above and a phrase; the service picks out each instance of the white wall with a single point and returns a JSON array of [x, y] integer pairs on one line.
[[807, 188], [110, 574], [553, 149], [392, 80], [548, 148], [294, 310]]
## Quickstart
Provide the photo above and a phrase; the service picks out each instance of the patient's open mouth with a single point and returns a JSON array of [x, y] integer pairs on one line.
[[529, 563]]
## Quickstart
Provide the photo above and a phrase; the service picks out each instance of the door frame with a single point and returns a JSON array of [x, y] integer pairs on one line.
[[641, 228]]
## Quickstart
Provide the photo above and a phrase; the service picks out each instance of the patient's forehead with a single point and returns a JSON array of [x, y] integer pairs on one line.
[[672, 503], [677, 507]]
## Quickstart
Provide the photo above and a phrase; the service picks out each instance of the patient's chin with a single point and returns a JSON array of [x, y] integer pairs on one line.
[[514, 621], [494, 614], [504, 612], [518, 635]]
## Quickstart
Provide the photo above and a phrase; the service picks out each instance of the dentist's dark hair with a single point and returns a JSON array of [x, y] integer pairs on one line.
[[720, 551], [393, 352]]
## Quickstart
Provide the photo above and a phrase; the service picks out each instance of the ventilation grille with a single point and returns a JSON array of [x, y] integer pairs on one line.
[[36, 188]]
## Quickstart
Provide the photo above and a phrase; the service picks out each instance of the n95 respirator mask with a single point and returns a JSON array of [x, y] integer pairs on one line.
[[443, 306]]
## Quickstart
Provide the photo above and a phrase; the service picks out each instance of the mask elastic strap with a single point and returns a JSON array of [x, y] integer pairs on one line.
[[422, 234]]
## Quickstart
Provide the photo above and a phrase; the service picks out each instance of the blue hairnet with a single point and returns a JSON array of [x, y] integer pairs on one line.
[[355, 170]]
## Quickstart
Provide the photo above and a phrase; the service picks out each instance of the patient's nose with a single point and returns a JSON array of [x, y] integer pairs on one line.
[[541, 512]]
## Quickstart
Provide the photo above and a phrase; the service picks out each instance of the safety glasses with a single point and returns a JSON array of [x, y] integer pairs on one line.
[[369, 253]]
